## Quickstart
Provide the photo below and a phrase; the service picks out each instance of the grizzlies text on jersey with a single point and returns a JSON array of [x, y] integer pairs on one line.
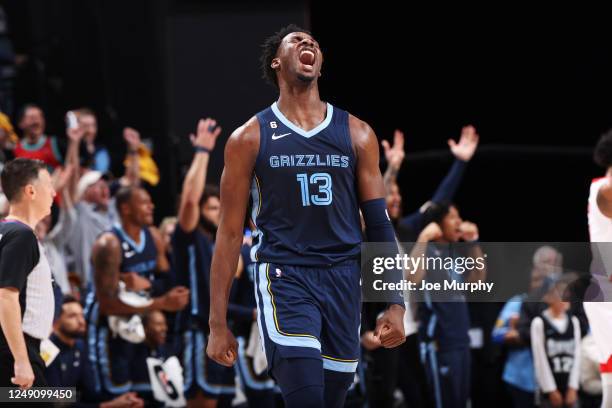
[[305, 203]]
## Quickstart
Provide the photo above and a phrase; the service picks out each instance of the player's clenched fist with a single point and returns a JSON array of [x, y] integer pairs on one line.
[[222, 346], [390, 327]]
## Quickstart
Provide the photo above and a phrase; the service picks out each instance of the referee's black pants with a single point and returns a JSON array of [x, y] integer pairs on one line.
[[7, 363]]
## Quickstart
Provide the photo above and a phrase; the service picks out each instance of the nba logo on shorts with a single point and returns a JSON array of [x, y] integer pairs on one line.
[[273, 125], [278, 273]]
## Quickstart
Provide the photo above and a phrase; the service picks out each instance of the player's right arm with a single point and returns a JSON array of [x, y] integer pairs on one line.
[[604, 198], [240, 155], [106, 256]]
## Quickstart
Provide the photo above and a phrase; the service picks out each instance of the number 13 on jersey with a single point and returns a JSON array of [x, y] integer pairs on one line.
[[321, 180]]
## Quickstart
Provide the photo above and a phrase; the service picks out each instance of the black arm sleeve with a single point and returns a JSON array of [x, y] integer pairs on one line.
[[18, 256]]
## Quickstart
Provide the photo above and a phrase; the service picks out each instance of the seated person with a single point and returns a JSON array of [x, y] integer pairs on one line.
[[70, 367], [168, 379]]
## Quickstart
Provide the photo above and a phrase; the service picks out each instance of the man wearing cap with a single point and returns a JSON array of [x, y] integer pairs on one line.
[[95, 206], [95, 214]]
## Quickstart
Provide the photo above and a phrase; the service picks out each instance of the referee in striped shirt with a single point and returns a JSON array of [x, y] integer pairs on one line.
[[26, 293]]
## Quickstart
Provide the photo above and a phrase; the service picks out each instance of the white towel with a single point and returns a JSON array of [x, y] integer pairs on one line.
[[255, 350]]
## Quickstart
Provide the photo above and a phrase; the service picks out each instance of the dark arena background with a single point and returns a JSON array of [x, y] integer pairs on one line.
[[536, 86], [537, 93]]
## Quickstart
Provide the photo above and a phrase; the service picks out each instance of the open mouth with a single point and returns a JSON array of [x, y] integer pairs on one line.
[[307, 57]]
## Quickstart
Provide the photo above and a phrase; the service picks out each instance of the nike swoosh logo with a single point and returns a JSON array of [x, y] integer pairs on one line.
[[276, 137]]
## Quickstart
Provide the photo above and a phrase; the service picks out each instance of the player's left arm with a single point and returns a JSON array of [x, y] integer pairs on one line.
[[371, 190]]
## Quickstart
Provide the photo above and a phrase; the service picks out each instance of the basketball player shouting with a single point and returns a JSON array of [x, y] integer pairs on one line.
[[308, 166]]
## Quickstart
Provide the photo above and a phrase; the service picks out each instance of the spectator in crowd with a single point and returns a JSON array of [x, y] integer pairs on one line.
[[590, 376], [408, 227], [548, 266], [192, 249], [34, 143], [94, 156], [95, 207], [154, 346], [555, 343], [518, 370], [139, 163], [71, 368], [125, 260], [8, 140], [444, 316], [95, 214]]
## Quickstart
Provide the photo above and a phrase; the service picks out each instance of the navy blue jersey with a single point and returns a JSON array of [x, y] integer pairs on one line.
[[192, 257], [70, 368], [140, 258], [560, 348], [444, 316], [305, 203]]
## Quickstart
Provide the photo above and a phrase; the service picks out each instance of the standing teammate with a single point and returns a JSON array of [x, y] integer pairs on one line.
[[308, 167], [600, 230], [125, 260], [206, 382], [26, 293]]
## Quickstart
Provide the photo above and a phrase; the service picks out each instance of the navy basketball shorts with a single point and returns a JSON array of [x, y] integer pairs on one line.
[[310, 313], [202, 373]]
